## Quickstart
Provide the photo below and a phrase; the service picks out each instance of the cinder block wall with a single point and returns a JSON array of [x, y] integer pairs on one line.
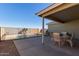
[[8, 33], [72, 26], [2, 33]]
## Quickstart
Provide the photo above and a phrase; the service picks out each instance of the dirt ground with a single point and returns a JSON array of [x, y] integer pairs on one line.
[[7, 48]]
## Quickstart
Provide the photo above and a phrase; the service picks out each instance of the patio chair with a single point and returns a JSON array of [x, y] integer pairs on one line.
[[57, 39], [69, 38]]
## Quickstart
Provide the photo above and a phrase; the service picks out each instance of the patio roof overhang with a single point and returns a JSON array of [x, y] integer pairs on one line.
[[60, 12]]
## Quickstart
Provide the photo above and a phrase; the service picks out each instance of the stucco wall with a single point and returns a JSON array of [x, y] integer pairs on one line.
[[9, 30], [72, 26], [8, 33]]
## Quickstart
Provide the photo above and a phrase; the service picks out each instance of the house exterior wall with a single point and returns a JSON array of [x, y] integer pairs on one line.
[[72, 26]]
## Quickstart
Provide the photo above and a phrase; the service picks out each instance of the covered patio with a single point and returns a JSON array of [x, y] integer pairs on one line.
[[63, 13]]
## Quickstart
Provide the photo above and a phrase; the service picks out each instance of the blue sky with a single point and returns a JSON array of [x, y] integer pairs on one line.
[[21, 15]]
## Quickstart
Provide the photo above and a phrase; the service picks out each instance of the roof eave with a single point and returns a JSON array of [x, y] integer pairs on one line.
[[48, 8]]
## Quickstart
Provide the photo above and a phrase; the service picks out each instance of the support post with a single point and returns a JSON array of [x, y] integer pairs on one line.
[[43, 30]]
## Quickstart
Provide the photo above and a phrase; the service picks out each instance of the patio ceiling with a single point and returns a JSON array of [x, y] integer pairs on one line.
[[63, 12]]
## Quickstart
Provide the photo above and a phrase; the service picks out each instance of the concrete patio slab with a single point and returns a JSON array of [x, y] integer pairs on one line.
[[34, 47]]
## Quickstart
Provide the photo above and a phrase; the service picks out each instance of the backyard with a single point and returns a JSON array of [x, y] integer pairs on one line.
[[33, 47]]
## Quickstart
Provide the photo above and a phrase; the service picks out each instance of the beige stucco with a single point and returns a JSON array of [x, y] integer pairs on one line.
[[72, 27], [8, 33]]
